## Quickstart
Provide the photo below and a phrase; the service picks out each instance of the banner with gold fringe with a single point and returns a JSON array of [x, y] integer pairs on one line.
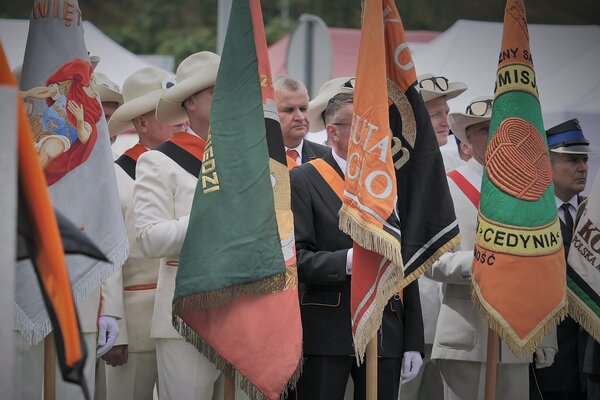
[[519, 263]]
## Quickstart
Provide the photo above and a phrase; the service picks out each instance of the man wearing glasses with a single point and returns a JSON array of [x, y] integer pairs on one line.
[[460, 344], [436, 91]]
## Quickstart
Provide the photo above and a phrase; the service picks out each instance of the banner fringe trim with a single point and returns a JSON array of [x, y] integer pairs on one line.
[[226, 367], [519, 347], [585, 317], [416, 274], [220, 297], [370, 237]]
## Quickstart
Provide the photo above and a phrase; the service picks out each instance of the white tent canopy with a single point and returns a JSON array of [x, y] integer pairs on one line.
[[115, 61], [565, 59]]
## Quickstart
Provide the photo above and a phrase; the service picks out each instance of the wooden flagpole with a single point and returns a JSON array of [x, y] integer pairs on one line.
[[491, 366], [228, 386], [372, 368], [49, 367]]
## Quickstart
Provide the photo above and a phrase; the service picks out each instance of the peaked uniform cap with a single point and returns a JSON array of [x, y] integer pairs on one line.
[[318, 105], [568, 137], [195, 73], [459, 122], [454, 88], [107, 89], [141, 92]]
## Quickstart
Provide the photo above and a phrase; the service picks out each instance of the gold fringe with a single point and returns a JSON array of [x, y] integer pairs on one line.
[[429, 262], [581, 313], [373, 321], [520, 347], [220, 297], [226, 367], [369, 236]]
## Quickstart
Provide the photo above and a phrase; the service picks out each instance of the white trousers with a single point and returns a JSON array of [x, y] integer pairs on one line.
[[465, 380], [183, 372], [133, 380]]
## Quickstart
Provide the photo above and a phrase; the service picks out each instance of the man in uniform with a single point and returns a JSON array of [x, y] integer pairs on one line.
[[165, 183], [132, 371], [324, 255]]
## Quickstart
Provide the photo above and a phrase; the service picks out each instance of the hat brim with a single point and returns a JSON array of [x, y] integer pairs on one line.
[[169, 110], [317, 106], [122, 117], [454, 89], [577, 149], [460, 122], [108, 95]]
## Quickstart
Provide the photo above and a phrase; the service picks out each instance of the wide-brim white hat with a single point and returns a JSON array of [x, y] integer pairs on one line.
[[141, 92], [454, 88], [107, 89], [195, 73], [317, 106], [459, 122]]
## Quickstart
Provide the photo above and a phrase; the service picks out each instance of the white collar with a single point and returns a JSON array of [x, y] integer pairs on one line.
[[298, 150], [340, 161], [572, 202]]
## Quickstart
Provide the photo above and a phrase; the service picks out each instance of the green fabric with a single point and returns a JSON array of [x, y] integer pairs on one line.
[[232, 238], [498, 205]]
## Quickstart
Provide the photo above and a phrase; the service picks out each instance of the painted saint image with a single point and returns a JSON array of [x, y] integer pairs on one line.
[[63, 115]]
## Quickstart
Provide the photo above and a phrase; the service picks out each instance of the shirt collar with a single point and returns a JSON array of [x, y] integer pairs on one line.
[[298, 150], [340, 161]]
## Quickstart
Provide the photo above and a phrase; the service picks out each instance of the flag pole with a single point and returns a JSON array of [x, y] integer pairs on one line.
[[228, 387], [491, 366], [372, 369], [49, 367]]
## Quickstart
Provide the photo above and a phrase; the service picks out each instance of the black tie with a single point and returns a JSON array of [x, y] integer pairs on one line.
[[568, 234]]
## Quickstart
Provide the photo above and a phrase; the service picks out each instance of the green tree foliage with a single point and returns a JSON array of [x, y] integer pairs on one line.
[[182, 27]]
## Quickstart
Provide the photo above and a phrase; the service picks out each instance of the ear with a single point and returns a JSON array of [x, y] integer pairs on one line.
[[140, 123], [332, 133]]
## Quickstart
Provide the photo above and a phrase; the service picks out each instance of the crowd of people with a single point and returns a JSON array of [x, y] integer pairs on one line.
[[432, 341]]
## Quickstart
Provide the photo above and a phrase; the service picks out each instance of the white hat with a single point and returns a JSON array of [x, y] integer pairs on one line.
[[195, 73], [107, 89], [141, 92], [431, 87], [317, 106], [478, 110]]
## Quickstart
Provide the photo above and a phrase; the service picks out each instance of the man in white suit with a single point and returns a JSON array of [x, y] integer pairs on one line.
[[132, 370], [461, 335], [165, 183]]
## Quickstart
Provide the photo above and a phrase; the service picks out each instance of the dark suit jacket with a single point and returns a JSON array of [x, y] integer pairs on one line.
[[324, 287], [565, 374], [312, 150]]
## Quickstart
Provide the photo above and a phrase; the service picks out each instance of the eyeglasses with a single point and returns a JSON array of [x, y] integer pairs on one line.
[[341, 123], [479, 108], [435, 81]]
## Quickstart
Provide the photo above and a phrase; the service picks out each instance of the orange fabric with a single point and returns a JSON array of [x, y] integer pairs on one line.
[[330, 175], [191, 143], [466, 187], [136, 151], [140, 286], [292, 156], [50, 260]]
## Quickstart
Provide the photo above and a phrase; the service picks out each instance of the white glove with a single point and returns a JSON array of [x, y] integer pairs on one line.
[[544, 357], [411, 365], [349, 262], [108, 330]]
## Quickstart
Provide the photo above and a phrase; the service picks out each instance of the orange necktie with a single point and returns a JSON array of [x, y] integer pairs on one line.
[[292, 156]]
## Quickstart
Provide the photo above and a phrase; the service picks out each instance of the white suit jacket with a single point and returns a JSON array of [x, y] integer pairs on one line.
[[163, 194], [461, 332]]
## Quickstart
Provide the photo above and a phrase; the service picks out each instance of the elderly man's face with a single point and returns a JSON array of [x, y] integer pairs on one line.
[[477, 136], [438, 112], [569, 174], [292, 107]]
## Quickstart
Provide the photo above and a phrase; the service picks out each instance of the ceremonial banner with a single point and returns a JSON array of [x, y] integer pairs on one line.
[[388, 200], [44, 245], [583, 265], [519, 263], [236, 296], [72, 142]]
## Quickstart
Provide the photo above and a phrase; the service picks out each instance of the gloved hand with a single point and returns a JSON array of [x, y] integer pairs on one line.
[[544, 356], [411, 365], [108, 330], [116, 356], [349, 262]]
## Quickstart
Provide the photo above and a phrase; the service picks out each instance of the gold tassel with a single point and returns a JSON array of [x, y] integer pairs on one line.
[[581, 313]]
